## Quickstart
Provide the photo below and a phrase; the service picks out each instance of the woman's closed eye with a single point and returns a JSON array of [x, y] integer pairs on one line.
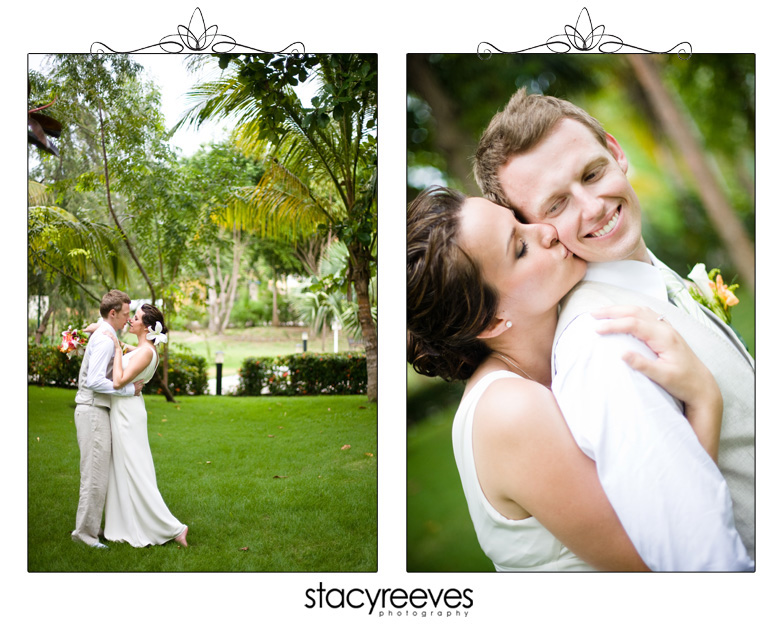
[[522, 249]]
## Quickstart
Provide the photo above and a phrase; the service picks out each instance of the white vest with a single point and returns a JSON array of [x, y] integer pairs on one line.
[[85, 396]]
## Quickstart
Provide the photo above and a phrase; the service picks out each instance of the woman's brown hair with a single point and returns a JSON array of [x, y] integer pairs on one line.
[[447, 301], [150, 315]]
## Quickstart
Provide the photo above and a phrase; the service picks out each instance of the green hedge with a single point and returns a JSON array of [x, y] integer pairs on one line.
[[187, 374], [46, 365], [304, 374]]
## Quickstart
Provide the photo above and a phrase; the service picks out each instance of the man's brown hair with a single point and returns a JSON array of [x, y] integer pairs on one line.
[[520, 126], [113, 300]]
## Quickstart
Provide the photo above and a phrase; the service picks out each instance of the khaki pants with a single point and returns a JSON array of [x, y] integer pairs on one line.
[[94, 434]]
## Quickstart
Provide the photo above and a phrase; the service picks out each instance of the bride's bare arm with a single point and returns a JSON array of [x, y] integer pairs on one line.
[[677, 369], [136, 364], [529, 464]]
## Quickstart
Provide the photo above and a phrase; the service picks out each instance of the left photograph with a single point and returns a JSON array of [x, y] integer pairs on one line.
[[202, 312]]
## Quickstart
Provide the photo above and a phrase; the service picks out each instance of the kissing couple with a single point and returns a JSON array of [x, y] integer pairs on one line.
[[116, 465], [607, 421]]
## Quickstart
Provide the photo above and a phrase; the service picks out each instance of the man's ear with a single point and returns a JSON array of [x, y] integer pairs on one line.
[[496, 328], [617, 152]]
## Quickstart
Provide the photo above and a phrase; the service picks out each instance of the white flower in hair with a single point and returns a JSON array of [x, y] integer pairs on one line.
[[156, 333]]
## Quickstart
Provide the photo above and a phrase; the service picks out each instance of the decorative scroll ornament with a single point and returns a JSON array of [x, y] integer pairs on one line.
[[196, 37], [583, 37]]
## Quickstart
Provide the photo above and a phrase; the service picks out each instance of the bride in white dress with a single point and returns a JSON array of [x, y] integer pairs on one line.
[[135, 510]]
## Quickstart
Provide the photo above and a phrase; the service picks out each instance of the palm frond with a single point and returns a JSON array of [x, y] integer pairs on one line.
[[59, 238], [37, 193]]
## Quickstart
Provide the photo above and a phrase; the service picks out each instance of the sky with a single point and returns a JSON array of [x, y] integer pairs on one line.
[[174, 80], [170, 74]]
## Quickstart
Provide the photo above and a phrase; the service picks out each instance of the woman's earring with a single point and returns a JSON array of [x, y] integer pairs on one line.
[[508, 324]]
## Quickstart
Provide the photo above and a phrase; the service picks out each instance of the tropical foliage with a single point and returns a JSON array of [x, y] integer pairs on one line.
[[115, 206], [451, 99], [320, 159]]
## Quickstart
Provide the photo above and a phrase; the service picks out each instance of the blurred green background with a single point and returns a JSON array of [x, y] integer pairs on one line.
[[657, 107]]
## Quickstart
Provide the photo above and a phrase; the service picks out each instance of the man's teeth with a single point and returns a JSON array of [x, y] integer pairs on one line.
[[607, 227]]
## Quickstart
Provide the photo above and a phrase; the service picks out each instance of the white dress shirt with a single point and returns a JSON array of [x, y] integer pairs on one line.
[[101, 349], [668, 493]]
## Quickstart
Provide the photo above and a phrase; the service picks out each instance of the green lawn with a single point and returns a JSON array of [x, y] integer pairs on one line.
[[238, 344], [440, 535], [264, 484]]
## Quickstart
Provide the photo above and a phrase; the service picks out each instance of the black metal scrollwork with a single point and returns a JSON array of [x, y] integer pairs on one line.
[[197, 37], [583, 37]]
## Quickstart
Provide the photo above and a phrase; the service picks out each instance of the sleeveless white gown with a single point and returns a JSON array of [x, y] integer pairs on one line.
[[135, 510], [512, 545]]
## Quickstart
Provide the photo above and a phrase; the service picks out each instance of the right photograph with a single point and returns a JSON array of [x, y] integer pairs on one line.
[[580, 312]]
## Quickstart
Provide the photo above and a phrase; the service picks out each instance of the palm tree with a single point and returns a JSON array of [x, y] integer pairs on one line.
[[68, 251], [320, 161], [70, 246], [321, 305]]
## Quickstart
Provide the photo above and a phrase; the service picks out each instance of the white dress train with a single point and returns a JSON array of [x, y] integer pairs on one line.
[[135, 510]]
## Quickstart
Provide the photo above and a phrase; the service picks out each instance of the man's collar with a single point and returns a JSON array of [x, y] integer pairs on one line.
[[104, 322], [636, 276]]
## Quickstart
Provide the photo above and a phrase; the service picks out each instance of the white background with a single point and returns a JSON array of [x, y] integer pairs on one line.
[[392, 30]]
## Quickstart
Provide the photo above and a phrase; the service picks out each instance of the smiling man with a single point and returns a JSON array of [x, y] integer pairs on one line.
[[553, 163]]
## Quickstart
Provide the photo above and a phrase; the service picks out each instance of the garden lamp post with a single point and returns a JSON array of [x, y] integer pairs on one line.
[[336, 327], [218, 372], [305, 342]]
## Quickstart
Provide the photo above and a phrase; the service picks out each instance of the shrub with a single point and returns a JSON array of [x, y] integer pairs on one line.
[[304, 374], [259, 375], [251, 313], [46, 365], [187, 374]]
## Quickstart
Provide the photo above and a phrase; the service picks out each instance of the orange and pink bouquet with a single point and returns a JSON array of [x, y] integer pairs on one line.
[[74, 342]]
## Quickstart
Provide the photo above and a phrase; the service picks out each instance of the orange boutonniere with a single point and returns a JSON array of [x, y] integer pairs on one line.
[[710, 290]]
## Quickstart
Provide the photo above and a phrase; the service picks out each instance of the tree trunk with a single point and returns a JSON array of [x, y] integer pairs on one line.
[[275, 314], [157, 377], [213, 298], [216, 284], [114, 215], [361, 281], [162, 378], [222, 288], [725, 221], [456, 146], [231, 293], [39, 332], [212, 302]]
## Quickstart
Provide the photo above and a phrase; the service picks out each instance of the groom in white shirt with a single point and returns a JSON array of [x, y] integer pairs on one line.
[[553, 163], [93, 431]]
